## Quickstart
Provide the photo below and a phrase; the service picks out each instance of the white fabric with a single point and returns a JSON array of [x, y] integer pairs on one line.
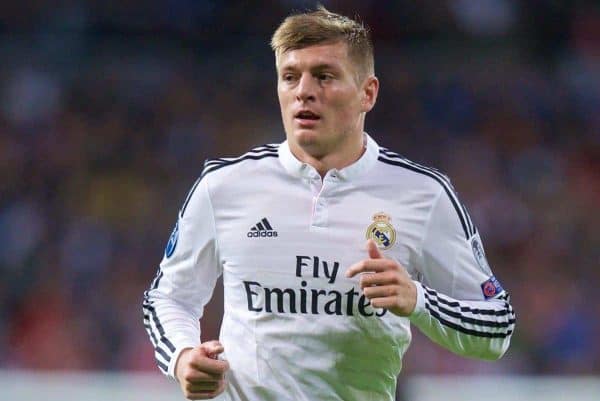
[[335, 346]]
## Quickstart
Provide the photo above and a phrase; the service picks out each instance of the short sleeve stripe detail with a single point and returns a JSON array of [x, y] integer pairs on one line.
[[469, 320], [260, 152], [394, 159]]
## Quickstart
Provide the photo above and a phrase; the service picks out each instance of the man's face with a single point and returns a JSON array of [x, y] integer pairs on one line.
[[322, 101]]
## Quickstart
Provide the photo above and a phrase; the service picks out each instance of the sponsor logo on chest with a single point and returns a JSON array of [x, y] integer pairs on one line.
[[262, 229]]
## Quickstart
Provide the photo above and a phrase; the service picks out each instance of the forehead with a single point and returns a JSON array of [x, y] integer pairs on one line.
[[334, 54]]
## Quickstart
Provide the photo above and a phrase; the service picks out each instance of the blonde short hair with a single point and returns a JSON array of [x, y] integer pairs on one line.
[[322, 26]]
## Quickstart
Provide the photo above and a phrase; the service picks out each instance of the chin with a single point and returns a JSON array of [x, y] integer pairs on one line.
[[306, 138], [312, 143]]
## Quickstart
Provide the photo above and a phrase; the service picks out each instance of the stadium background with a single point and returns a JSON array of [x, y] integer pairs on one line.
[[109, 108]]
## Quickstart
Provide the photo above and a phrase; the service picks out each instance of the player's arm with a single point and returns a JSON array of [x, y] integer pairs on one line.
[[460, 304], [175, 301]]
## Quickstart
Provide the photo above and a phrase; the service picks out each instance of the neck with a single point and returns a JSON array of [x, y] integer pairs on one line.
[[323, 160]]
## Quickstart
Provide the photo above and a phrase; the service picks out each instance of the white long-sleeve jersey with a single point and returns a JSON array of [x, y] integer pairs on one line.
[[294, 327]]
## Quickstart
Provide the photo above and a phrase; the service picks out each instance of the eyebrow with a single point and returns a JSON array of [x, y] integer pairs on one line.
[[318, 67]]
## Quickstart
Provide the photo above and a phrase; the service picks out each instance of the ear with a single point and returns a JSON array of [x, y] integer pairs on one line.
[[370, 89]]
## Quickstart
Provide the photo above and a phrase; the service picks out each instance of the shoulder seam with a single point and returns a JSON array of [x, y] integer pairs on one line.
[[268, 148], [257, 153], [189, 196], [216, 166], [395, 159]]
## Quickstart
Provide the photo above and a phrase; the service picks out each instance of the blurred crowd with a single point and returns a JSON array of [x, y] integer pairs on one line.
[[109, 109]]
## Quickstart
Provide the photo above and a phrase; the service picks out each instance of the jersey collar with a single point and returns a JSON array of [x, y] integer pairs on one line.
[[299, 169]]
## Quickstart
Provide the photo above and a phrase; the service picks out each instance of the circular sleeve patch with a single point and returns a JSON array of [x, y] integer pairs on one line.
[[172, 244]]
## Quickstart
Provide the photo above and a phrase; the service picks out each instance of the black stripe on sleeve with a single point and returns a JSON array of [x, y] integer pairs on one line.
[[455, 304], [466, 319], [469, 221], [163, 353], [256, 150], [465, 330], [150, 330], [162, 366], [214, 165], [155, 282], [441, 178], [158, 350], [504, 296], [435, 177], [157, 347], [159, 326], [189, 196], [435, 309]]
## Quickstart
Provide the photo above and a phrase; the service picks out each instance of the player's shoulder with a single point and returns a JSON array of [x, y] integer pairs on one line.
[[426, 180], [243, 165], [227, 173], [410, 172]]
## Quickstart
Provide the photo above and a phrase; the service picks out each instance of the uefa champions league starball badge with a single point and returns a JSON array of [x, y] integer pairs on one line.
[[381, 231]]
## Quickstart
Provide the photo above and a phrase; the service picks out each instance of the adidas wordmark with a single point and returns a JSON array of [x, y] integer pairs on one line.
[[262, 229]]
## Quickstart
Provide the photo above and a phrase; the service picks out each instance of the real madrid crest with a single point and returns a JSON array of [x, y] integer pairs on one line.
[[381, 231]]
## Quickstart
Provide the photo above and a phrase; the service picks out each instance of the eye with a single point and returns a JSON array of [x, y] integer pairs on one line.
[[287, 77], [325, 77]]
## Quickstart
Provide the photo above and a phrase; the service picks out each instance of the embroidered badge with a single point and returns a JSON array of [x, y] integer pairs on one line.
[[172, 244], [479, 254], [491, 287], [381, 231]]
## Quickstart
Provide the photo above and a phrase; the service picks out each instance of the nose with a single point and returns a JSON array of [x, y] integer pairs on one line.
[[306, 88]]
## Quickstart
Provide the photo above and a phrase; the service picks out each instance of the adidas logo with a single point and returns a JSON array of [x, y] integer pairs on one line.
[[262, 229]]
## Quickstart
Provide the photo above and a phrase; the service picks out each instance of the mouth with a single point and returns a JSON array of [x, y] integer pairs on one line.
[[306, 118]]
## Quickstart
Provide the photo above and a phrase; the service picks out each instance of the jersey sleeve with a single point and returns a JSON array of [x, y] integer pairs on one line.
[[460, 304], [185, 281]]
